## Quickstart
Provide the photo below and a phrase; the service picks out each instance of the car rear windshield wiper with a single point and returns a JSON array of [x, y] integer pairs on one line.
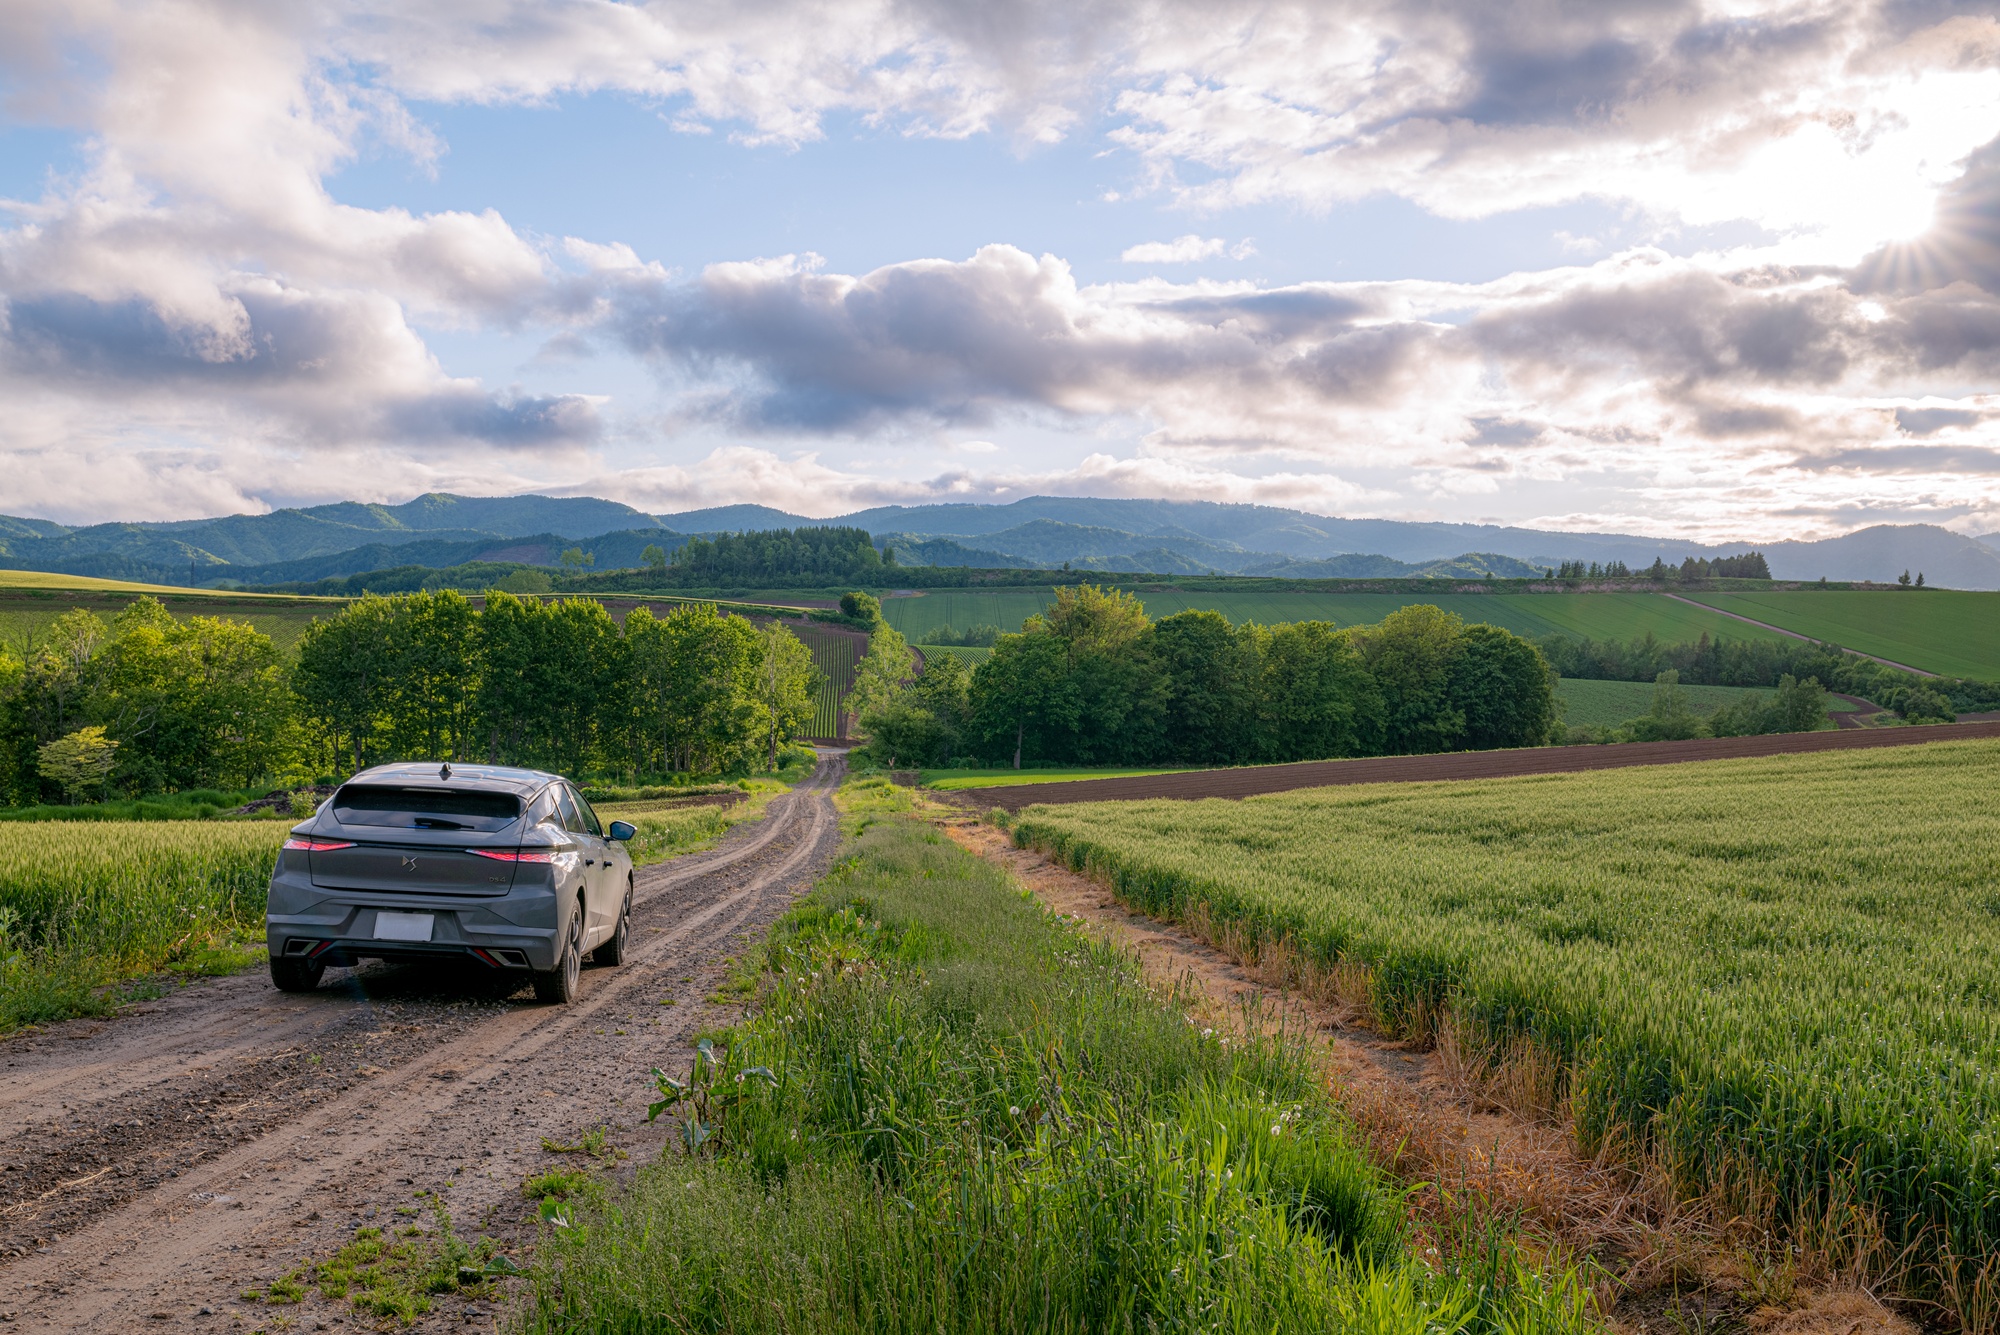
[[437, 823]]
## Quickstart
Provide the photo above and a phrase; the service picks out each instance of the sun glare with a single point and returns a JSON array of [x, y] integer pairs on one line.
[[1843, 189]]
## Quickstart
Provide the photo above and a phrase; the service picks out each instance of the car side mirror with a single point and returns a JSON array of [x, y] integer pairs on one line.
[[622, 830]]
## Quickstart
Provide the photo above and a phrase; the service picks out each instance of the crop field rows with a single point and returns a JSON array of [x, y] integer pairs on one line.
[[1782, 968], [972, 656], [835, 654], [85, 904]]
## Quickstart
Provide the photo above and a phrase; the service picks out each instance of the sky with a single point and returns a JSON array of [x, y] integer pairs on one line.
[[1715, 270]]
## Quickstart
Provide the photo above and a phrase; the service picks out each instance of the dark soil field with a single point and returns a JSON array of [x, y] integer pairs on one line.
[[1253, 779]]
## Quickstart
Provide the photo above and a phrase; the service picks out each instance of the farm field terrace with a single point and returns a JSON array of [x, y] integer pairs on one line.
[[1782, 965], [1597, 616], [1945, 631]]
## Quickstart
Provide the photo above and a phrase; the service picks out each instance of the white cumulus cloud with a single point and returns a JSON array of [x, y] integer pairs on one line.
[[1185, 250]]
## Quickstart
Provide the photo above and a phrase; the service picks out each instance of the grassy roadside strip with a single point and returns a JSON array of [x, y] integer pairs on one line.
[[952, 1111]]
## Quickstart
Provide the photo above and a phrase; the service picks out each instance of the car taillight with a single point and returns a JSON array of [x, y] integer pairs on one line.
[[514, 854], [317, 845]]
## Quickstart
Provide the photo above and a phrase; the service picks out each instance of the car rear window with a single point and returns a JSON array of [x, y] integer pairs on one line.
[[424, 808]]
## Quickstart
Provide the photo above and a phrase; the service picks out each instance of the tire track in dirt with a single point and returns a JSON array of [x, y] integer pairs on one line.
[[288, 1161]]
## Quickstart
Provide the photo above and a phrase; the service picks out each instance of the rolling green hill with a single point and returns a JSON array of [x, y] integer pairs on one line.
[[1939, 630]]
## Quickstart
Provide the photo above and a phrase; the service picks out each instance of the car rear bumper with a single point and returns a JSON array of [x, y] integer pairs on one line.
[[345, 953], [340, 933]]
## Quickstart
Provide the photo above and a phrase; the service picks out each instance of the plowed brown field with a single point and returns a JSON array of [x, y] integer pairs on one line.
[[1254, 779]]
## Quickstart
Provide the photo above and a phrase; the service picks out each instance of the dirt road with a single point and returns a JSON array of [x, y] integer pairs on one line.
[[157, 1165]]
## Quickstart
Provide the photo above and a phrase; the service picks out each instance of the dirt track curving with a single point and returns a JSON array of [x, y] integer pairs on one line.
[[1253, 779], [157, 1165]]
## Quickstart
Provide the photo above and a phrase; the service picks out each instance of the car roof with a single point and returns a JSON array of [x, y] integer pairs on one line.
[[489, 778]]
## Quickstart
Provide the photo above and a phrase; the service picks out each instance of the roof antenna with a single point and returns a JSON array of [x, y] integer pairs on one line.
[[444, 770]]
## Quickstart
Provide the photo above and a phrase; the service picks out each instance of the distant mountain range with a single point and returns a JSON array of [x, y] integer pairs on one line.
[[1259, 539], [1163, 537]]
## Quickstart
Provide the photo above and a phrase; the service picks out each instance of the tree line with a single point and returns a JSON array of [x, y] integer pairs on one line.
[[1749, 565], [151, 703], [1721, 661], [1093, 681]]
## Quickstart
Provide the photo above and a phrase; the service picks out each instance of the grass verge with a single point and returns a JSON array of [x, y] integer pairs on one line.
[[954, 1112]]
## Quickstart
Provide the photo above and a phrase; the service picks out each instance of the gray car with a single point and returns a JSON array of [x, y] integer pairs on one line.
[[506, 868]]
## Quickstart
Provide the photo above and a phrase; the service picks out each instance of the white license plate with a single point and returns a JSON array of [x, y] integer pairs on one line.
[[403, 926]]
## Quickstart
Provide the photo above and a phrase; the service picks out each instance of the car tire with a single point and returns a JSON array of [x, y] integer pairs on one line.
[[557, 986], [296, 975], [612, 952]]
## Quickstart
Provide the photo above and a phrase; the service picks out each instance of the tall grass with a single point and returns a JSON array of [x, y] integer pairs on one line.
[[83, 906], [1785, 971], [953, 1112]]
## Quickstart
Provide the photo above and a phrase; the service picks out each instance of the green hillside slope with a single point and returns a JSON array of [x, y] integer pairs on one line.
[[1938, 630]]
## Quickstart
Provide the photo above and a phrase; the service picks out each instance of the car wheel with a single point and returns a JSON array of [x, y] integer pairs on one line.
[[613, 951], [296, 975], [557, 986]]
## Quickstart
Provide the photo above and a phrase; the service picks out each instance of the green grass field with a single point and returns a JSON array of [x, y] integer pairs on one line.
[[1939, 630], [948, 780], [1609, 703], [1780, 966], [25, 613], [1597, 616]]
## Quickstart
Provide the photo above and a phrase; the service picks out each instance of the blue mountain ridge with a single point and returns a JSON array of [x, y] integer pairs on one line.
[[1160, 536]]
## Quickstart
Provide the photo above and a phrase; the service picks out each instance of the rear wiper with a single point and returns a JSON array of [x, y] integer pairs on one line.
[[438, 823]]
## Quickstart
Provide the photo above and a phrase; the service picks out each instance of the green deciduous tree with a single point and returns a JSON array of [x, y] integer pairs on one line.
[[1412, 654], [1315, 697], [880, 675], [1212, 676], [1671, 718], [1024, 702], [785, 686], [196, 703], [1503, 688], [692, 678], [80, 763]]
